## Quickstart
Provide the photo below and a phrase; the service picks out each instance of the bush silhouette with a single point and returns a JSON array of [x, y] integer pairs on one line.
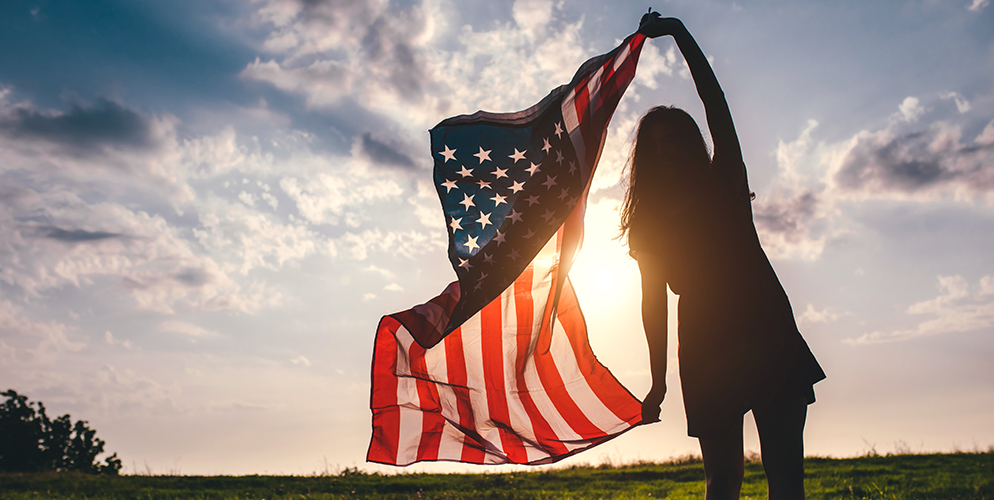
[[32, 442]]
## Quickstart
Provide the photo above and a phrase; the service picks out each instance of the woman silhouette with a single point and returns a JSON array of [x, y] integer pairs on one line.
[[688, 219]]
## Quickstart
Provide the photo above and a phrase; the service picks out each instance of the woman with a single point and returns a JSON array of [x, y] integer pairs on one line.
[[688, 219]]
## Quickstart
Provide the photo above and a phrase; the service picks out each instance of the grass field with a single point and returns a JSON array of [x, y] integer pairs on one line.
[[937, 476]]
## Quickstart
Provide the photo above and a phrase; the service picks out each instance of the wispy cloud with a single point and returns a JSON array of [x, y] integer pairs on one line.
[[185, 329], [83, 127], [956, 309], [977, 5]]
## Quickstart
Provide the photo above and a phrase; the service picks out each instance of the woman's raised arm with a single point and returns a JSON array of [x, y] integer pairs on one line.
[[729, 167]]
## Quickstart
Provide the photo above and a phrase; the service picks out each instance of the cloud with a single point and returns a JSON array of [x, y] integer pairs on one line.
[[793, 217], [76, 235], [339, 198], [986, 137], [133, 252], [977, 5], [345, 41], [31, 341], [785, 225], [962, 105], [381, 153], [652, 62], [83, 127], [301, 361], [185, 329], [923, 164], [386, 273], [956, 309], [419, 64], [323, 82], [910, 110], [86, 145], [818, 183], [242, 238], [109, 338], [532, 15], [408, 244], [812, 315]]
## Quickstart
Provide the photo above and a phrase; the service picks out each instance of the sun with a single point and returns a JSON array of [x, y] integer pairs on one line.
[[606, 279]]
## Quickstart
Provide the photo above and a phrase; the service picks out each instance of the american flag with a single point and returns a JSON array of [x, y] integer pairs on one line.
[[498, 368]]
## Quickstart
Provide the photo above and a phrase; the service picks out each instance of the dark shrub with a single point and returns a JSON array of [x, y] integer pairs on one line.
[[32, 442]]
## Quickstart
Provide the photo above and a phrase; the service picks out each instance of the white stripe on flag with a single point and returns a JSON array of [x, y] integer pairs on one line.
[[620, 59], [572, 123], [593, 90]]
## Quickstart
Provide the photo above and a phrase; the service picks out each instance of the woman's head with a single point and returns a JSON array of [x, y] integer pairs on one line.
[[668, 160]]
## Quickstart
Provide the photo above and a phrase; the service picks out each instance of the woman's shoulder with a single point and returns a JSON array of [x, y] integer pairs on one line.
[[648, 232]]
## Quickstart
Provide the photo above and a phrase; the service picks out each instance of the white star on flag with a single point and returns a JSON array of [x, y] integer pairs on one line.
[[518, 155], [449, 154], [483, 155], [484, 220]]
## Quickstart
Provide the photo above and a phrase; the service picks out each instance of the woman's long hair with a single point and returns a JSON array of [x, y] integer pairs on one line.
[[668, 145]]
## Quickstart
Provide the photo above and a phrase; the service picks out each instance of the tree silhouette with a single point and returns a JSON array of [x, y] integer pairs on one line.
[[30, 441]]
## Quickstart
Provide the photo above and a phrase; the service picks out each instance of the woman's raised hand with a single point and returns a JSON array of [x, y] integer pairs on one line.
[[654, 25]]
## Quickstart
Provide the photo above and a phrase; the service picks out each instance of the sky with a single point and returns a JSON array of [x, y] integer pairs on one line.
[[207, 206]]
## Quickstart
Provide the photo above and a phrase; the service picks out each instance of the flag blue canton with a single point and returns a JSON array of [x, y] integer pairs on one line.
[[505, 189]]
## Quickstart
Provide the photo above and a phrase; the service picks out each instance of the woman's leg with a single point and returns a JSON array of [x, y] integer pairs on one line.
[[723, 464], [781, 440]]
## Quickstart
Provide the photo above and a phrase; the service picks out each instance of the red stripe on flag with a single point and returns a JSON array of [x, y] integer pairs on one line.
[[524, 310], [492, 343], [455, 365], [383, 395], [432, 422]]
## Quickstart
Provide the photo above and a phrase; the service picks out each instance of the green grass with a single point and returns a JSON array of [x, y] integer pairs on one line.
[[937, 476]]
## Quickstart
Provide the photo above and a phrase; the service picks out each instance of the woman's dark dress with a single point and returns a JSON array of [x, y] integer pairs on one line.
[[739, 345]]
